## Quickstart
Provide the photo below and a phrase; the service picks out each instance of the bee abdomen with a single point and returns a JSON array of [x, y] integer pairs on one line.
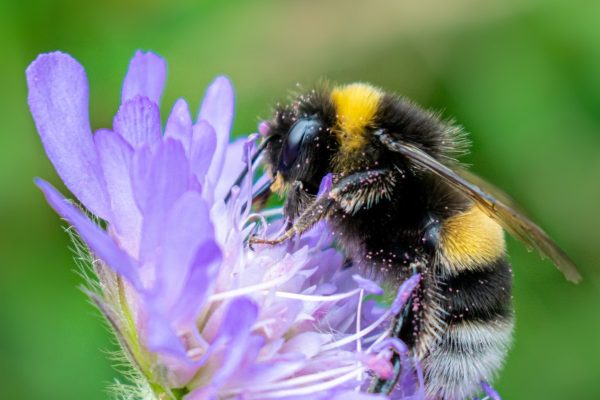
[[481, 295], [479, 329]]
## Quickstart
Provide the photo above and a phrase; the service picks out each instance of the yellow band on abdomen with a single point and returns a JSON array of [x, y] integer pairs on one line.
[[470, 240]]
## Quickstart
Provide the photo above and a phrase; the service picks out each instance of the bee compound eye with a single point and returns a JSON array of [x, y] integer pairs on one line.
[[301, 132]]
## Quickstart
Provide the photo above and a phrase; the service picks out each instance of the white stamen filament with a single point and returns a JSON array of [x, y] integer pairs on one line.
[[305, 390], [314, 297], [298, 381], [256, 217], [230, 294], [272, 212], [377, 340], [358, 315], [359, 375], [358, 335]]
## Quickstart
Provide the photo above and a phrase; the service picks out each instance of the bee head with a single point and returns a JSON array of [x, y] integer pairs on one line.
[[301, 146]]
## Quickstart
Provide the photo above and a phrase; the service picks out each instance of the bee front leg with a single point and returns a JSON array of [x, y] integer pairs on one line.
[[314, 213], [350, 194]]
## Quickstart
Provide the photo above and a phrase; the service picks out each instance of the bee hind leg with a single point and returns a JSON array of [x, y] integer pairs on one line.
[[387, 386]]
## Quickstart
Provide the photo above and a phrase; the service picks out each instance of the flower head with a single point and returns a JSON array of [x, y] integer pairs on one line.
[[198, 314]]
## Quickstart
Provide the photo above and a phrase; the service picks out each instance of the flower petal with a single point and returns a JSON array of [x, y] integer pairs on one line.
[[58, 99], [217, 110], [201, 276], [99, 242], [367, 284], [204, 142], [306, 343], [146, 77], [116, 158], [490, 391], [239, 317], [404, 292], [234, 165], [160, 336], [325, 185], [354, 395], [187, 226], [179, 124], [138, 122], [159, 180]]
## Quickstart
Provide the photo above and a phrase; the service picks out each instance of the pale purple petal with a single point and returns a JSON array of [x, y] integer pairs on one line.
[[202, 393], [146, 77], [138, 122], [489, 391], [354, 395], [116, 158], [404, 292], [187, 226], [58, 99], [234, 166], [99, 242], [325, 185], [367, 284], [279, 367], [201, 276], [334, 394], [140, 177], [160, 336], [158, 183], [179, 124], [239, 317], [217, 110], [306, 343], [204, 142], [394, 343]]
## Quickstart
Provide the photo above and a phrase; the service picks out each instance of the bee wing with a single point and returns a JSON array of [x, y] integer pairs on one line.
[[492, 201]]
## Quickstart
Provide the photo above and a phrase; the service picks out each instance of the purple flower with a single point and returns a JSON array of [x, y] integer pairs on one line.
[[197, 313]]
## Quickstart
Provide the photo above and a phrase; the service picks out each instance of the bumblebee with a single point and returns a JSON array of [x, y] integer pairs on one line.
[[400, 203]]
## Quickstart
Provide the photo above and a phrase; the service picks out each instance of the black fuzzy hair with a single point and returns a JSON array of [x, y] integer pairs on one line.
[[410, 123]]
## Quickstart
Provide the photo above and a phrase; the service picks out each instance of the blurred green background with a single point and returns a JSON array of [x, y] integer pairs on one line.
[[523, 76]]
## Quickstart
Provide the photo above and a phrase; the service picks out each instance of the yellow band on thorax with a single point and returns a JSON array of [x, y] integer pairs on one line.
[[356, 105]]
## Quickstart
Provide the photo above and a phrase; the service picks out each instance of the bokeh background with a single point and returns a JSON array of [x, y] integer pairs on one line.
[[523, 76]]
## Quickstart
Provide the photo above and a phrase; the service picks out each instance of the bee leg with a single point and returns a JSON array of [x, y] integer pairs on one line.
[[362, 189], [386, 386], [314, 213]]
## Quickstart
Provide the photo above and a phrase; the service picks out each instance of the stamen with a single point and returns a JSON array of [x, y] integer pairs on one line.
[[358, 315], [298, 381], [256, 217], [307, 389], [402, 296], [358, 335], [272, 212], [359, 376], [230, 294], [314, 297]]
